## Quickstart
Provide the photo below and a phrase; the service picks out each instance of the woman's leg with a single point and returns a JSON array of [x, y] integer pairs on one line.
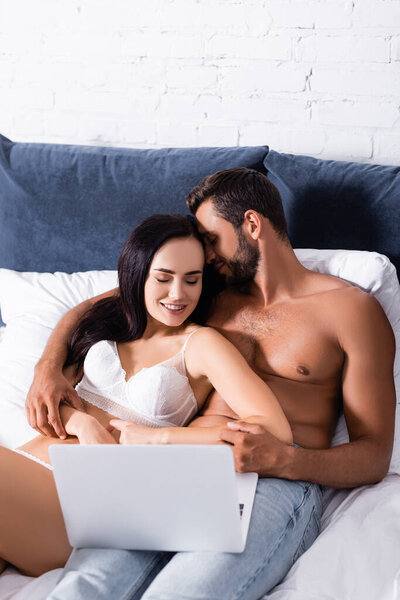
[[32, 531]]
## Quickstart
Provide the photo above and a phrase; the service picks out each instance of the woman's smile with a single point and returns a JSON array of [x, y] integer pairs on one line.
[[173, 308]]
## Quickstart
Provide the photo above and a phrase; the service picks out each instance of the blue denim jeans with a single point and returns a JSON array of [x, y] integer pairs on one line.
[[284, 523]]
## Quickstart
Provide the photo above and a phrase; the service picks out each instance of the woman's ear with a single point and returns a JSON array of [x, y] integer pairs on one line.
[[253, 223]]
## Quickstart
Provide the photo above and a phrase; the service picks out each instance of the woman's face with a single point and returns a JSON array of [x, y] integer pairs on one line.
[[174, 281]]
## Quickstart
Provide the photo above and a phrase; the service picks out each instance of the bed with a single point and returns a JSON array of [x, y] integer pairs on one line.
[[64, 214]]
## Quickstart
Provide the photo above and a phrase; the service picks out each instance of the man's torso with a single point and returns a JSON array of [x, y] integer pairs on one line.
[[293, 346]]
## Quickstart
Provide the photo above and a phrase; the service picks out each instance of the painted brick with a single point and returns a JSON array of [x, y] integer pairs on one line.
[[200, 77], [136, 132], [108, 77], [355, 114], [367, 83], [100, 131], [96, 102], [209, 106], [17, 43], [307, 15], [60, 75], [161, 44], [149, 72], [305, 49], [352, 48], [271, 47], [260, 134], [26, 14], [101, 14], [285, 13], [381, 13], [337, 14], [27, 98], [28, 123], [7, 71], [217, 135], [387, 147], [183, 105], [176, 135], [6, 122], [395, 48], [61, 124], [251, 77], [269, 110], [180, 15], [352, 145], [304, 141]]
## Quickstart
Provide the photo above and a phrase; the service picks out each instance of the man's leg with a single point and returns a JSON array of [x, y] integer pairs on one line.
[[284, 523], [96, 574]]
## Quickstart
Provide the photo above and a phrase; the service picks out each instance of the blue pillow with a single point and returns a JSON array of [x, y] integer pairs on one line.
[[70, 208], [332, 204]]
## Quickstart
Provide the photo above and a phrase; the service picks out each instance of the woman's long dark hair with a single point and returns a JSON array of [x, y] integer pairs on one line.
[[123, 317]]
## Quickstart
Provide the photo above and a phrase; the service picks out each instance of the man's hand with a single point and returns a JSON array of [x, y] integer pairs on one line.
[[132, 433], [256, 450], [48, 389]]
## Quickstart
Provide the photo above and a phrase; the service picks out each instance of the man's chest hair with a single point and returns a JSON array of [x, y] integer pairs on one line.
[[282, 340]]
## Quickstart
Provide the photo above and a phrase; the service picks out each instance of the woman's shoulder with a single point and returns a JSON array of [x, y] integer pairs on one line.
[[203, 336]]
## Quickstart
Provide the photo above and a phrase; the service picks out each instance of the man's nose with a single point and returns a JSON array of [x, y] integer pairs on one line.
[[210, 254]]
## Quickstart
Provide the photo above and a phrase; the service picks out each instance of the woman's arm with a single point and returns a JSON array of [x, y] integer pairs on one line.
[[210, 355], [85, 427]]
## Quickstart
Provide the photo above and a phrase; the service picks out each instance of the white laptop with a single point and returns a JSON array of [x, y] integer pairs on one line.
[[153, 497]]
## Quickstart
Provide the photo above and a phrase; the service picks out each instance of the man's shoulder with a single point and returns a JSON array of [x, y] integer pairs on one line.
[[343, 295], [339, 290]]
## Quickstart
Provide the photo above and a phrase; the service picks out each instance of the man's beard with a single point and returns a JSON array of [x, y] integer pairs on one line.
[[244, 263]]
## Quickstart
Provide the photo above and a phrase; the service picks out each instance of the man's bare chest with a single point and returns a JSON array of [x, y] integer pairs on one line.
[[291, 342]]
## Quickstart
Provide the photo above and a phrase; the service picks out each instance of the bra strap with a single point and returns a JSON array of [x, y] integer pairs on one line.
[[188, 338]]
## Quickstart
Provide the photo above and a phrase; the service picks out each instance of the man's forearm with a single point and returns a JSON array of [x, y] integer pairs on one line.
[[55, 352], [349, 465]]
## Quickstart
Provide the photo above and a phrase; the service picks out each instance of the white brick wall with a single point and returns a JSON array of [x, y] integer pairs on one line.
[[319, 77]]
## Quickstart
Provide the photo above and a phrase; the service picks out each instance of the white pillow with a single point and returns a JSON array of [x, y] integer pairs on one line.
[[32, 304]]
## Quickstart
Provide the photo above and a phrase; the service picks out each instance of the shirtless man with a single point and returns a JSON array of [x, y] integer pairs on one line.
[[321, 344]]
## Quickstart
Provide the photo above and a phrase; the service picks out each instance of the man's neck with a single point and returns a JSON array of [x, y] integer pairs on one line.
[[280, 276]]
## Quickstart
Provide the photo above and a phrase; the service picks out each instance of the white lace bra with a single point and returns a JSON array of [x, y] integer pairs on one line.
[[158, 396]]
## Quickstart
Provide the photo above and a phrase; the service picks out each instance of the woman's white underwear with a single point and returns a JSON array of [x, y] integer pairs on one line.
[[31, 457]]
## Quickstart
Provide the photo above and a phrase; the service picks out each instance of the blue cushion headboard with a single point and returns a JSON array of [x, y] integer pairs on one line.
[[70, 208], [333, 204]]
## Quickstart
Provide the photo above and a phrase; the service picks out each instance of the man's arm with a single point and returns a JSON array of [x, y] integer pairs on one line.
[[50, 385], [369, 402]]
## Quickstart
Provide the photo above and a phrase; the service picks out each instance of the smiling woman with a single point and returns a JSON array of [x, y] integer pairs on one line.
[[175, 292]]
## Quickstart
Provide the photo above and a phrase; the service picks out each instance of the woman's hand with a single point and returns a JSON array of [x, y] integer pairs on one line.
[[88, 430], [132, 433]]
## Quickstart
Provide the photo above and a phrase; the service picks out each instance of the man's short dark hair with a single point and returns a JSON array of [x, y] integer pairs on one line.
[[234, 191]]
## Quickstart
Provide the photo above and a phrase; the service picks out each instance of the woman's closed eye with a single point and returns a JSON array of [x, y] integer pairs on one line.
[[189, 281]]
